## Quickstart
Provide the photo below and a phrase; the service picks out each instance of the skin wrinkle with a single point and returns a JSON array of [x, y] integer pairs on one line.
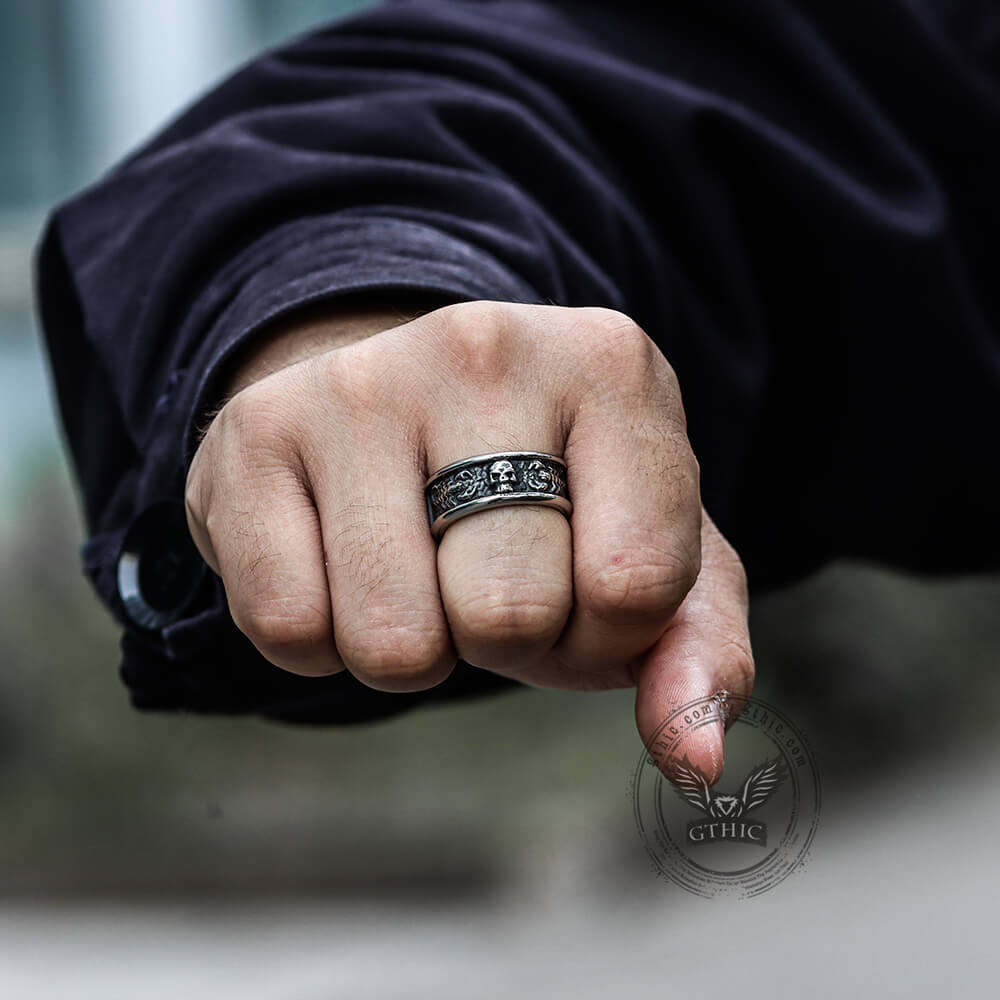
[[522, 589], [522, 621], [282, 622], [632, 603], [638, 545], [290, 609]]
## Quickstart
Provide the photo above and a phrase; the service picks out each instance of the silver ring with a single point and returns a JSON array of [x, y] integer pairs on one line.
[[505, 478]]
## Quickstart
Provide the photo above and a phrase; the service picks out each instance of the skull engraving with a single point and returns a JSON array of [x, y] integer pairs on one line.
[[502, 476]]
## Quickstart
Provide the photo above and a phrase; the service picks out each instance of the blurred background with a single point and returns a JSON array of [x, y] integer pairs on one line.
[[478, 850]]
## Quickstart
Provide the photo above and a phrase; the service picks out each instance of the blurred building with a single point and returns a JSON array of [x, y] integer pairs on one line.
[[81, 83], [83, 80]]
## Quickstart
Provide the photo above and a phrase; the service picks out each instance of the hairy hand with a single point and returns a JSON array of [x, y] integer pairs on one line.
[[307, 497]]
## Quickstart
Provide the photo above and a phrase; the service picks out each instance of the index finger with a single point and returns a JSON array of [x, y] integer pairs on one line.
[[636, 504]]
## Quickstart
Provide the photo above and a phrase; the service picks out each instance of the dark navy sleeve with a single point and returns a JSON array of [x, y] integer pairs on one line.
[[796, 201]]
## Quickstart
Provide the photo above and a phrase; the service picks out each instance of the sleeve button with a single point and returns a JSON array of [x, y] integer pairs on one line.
[[159, 569]]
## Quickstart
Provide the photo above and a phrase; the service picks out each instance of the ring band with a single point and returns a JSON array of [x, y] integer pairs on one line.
[[505, 478]]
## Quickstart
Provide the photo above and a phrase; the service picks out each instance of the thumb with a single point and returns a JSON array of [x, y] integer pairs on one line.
[[703, 655]]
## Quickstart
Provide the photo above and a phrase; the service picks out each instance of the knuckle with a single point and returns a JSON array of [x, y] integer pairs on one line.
[[259, 420], [515, 619], [280, 630], [609, 340], [480, 336], [612, 321], [341, 372], [359, 387], [481, 312], [217, 525], [610, 330], [634, 585], [397, 659], [194, 499]]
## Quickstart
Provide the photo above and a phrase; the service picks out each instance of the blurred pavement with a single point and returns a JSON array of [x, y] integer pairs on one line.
[[899, 899]]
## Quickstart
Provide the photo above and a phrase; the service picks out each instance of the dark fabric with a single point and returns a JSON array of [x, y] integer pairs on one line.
[[796, 200]]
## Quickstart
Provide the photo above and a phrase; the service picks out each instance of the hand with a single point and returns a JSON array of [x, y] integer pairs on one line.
[[307, 496]]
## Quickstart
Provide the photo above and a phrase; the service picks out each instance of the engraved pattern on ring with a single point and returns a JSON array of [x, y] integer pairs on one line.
[[494, 476]]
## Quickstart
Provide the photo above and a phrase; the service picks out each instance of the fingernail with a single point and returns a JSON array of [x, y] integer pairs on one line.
[[704, 750]]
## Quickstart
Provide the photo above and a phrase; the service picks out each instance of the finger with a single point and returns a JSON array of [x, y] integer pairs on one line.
[[251, 515], [704, 654], [368, 479], [636, 507], [506, 584], [506, 573]]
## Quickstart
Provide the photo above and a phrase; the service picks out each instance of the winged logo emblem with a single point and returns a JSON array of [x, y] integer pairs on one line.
[[759, 786]]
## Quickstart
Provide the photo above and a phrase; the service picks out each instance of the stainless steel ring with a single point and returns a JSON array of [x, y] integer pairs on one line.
[[505, 478]]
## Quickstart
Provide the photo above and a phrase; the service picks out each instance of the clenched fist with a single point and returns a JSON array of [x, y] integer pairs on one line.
[[307, 496]]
